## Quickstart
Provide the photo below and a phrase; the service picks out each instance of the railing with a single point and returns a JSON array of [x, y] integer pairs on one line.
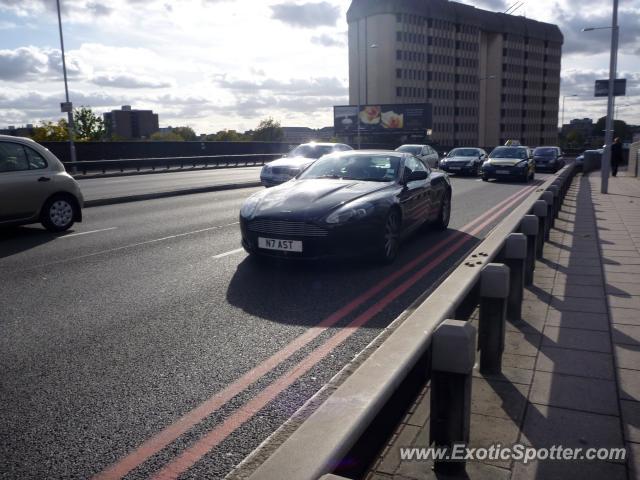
[[155, 164], [339, 430]]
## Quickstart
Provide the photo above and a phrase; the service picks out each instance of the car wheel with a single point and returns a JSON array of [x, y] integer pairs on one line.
[[445, 212], [485, 178], [390, 237], [58, 213]]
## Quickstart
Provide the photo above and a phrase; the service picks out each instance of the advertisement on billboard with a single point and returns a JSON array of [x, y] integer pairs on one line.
[[391, 118]]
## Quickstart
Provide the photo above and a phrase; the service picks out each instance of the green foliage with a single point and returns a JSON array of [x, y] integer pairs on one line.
[[575, 137], [186, 133], [227, 136], [51, 132], [166, 137], [269, 130], [88, 126], [620, 128]]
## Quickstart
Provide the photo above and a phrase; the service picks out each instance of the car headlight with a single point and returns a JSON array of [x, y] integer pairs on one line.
[[350, 213], [522, 164], [248, 209]]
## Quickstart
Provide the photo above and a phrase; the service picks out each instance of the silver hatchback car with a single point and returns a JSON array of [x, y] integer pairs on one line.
[[34, 187]]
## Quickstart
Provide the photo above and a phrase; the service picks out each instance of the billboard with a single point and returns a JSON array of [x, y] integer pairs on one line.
[[390, 118], [619, 87]]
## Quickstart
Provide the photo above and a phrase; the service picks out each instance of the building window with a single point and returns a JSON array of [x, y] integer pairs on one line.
[[399, 36], [398, 54], [398, 91], [398, 17], [398, 73]]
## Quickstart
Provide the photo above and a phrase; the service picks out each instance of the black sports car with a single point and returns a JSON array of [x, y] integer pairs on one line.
[[346, 204]]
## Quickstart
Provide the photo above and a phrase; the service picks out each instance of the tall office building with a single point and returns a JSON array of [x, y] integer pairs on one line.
[[128, 124], [489, 76]]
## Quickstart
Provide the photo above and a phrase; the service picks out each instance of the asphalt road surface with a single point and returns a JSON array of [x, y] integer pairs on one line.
[[145, 344], [109, 187]]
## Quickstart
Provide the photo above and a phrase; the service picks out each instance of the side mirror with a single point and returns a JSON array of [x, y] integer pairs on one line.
[[418, 175]]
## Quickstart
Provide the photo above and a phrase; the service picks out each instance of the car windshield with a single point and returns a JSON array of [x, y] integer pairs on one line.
[[311, 151], [508, 152], [463, 152], [412, 149], [545, 152], [370, 168]]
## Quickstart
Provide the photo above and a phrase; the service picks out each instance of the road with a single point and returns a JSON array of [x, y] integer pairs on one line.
[[110, 187], [144, 344]]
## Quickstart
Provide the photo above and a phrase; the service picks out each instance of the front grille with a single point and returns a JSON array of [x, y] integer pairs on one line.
[[285, 227]]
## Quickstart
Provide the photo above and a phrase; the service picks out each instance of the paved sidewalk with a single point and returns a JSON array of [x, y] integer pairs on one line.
[[570, 367]]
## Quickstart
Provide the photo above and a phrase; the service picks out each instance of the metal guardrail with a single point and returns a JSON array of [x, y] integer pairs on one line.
[[166, 163], [336, 427]]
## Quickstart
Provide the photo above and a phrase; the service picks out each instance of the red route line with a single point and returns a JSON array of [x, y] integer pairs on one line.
[[170, 433], [214, 437]]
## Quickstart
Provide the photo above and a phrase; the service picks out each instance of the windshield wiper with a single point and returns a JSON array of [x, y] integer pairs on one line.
[[335, 177]]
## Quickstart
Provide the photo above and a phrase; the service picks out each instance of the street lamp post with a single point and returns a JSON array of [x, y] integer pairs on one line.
[[67, 107], [613, 60]]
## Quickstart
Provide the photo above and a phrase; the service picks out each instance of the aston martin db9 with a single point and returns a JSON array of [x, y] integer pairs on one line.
[[347, 204]]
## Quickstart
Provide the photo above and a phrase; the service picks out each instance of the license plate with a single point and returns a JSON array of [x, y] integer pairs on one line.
[[278, 244], [503, 172]]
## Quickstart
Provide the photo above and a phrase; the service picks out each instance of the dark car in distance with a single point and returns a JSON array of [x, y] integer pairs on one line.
[[347, 204], [515, 163], [467, 160], [548, 158]]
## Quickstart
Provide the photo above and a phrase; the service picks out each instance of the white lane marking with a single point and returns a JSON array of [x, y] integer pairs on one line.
[[86, 233], [116, 249], [230, 252]]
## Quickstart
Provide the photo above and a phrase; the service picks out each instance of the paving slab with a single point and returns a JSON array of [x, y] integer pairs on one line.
[[575, 362], [580, 393], [577, 338]]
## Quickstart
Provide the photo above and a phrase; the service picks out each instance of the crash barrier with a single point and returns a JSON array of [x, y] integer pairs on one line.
[[435, 343], [153, 164]]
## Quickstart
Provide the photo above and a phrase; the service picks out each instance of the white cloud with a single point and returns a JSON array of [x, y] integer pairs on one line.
[[218, 64]]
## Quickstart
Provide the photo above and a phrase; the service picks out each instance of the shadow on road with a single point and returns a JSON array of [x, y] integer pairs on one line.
[[15, 240], [306, 292]]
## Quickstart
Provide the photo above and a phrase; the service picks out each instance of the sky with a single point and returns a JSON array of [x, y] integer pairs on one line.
[[227, 64]]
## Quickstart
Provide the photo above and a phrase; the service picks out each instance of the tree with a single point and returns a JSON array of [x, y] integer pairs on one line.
[[166, 137], [186, 133], [87, 125], [227, 136], [51, 132], [574, 137], [620, 128], [268, 130]]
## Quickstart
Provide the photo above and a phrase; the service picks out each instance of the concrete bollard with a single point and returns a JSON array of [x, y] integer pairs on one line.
[[540, 211], [515, 256], [529, 227], [452, 359], [548, 197], [555, 190], [494, 291]]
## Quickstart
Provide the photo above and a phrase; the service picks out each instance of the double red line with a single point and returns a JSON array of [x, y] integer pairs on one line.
[[195, 452]]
